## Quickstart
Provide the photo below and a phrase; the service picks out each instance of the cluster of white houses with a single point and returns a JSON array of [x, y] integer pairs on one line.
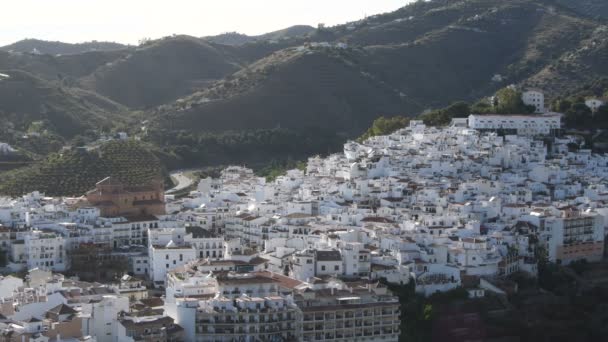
[[305, 257]]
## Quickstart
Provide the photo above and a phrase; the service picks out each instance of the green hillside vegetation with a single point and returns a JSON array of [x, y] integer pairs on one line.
[[184, 149], [39, 115], [277, 168], [291, 89], [407, 71], [203, 102], [64, 68], [161, 71], [505, 101], [385, 126], [578, 115], [72, 173]]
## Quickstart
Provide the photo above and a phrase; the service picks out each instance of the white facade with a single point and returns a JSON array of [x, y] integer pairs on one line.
[[166, 258], [520, 124], [534, 98], [594, 104]]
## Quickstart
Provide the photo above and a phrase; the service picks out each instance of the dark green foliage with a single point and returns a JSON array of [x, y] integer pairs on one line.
[[252, 147], [578, 116], [38, 116], [278, 168], [508, 101], [442, 117], [384, 126], [74, 172], [418, 313], [161, 71]]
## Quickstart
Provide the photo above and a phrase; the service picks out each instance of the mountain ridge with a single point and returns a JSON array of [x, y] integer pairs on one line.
[[38, 46]]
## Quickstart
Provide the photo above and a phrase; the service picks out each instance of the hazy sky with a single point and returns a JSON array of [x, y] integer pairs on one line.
[[127, 21]]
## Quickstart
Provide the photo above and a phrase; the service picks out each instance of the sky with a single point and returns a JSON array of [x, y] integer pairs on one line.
[[128, 21]]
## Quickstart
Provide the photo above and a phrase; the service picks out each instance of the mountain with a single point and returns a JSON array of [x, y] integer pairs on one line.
[[36, 46], [585, 63], [300, 91], [236, 39], [161, 71], [25, 98], [424, 55], [39, 115], [65, 68], [592, 8], [73, 172], [293, 88]]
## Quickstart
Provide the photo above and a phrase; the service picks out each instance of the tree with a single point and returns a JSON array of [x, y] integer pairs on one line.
[[458, 109], [384, 126], [578, 116], [482, 107], [561, 105], [600, 118], [508, 101]]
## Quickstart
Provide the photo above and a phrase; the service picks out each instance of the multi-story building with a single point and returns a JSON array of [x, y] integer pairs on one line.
[[536, 98], [367, 313], [569, 234], [270, 318], [45, 250], [207, 244], [516, 124]]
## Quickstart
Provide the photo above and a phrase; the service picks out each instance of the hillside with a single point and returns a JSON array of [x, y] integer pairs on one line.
[[39, 116], [65, 68], [576, 67], [72, 173], [515, 40], [26, 99], [204, 102], [161, 71], [236, 39], [393, 73], [591, 8], [38, 46], [293, 88]]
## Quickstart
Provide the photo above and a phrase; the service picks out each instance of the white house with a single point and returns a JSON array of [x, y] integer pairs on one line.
[[594, 104], [536, 98]]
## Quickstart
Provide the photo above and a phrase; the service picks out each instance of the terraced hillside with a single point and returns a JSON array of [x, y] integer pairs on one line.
[[72, 173], [161, 71], [425, 55], [291, 89], [53, 108], [204, 103]]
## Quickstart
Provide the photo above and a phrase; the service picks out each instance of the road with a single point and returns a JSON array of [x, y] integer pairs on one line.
[[182, 181]]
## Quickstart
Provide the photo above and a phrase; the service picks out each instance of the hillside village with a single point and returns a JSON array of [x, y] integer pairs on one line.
[[313, 255]]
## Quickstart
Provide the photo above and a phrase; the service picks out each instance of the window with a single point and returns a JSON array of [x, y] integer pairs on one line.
[[322, 268], [336, 268], [167, 256], [167, 265]]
